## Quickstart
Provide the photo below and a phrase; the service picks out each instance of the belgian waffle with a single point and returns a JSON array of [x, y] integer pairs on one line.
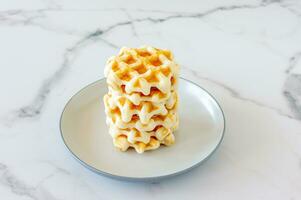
[[139, 70], [170, 121], [119, 105], [123, 139]]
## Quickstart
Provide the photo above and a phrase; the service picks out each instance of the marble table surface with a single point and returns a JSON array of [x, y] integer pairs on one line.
[[246, 53]]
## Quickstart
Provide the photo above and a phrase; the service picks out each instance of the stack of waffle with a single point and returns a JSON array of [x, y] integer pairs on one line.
[[141, 105]]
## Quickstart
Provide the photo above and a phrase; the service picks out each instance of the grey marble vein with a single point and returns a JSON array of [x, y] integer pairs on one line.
[[101, 32], [236, 94], [293, 61], [20, 17], [55, 166], [132, 23], [19, 188], [292, 86], [208, 12], [154, 11], [16, 186], [292, 93], [30, 18], [35, 108], [180, 15], [290, 6]]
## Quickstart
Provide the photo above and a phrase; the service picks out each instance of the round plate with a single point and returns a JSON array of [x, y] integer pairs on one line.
[[85, 134]]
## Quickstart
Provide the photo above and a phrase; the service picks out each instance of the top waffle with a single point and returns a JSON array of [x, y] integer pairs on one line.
[[142, 70]]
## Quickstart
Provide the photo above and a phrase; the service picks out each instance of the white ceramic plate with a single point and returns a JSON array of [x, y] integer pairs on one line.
[[85, 134]]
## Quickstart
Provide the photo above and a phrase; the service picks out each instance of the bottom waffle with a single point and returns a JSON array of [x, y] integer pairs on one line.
[[141, 141]]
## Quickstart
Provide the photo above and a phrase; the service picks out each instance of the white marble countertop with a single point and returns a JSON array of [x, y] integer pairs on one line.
[[246, 53]]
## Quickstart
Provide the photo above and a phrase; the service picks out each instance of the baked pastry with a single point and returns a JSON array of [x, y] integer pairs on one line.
[[142, 102]]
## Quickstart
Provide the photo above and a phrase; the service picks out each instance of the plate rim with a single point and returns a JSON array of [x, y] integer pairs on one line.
[[141, 179]]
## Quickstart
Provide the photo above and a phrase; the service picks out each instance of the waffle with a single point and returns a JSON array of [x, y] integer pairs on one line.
[[170, 121], [139, 70], [142, 102], [155, 95], [126, 110], [123, 139]]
